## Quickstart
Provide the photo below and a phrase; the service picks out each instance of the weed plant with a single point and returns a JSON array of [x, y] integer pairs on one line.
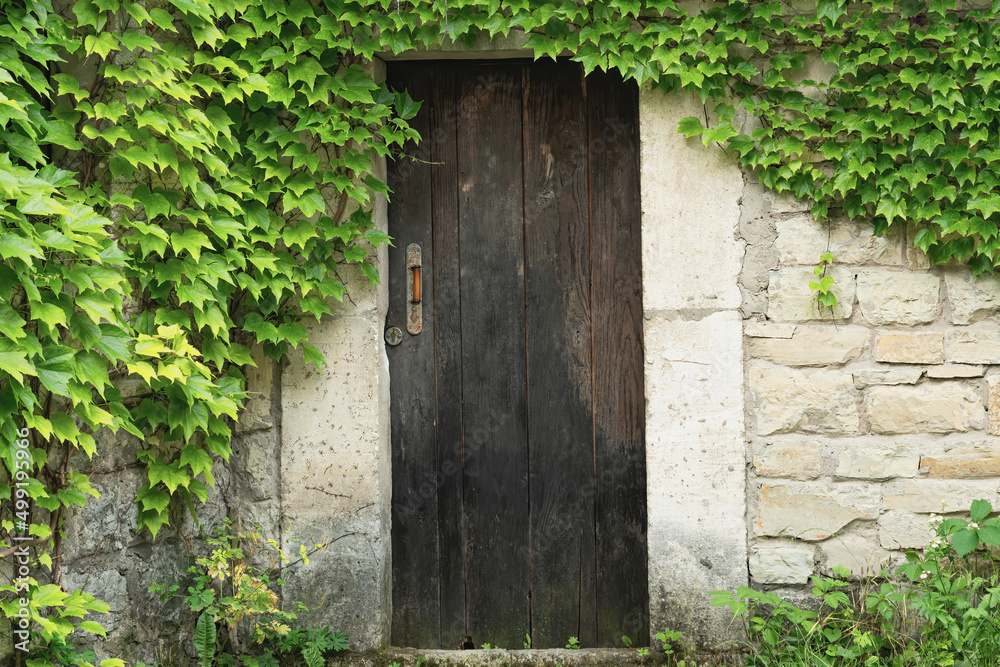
[[941, 608], [229, 593]]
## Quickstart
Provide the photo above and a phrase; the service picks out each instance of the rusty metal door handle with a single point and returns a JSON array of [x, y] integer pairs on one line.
[[414, 306]]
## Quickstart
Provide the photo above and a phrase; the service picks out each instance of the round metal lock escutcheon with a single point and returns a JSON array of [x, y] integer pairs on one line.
[[393, 336]]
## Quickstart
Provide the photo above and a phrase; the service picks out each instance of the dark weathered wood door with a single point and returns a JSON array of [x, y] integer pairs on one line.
[[518, 455]]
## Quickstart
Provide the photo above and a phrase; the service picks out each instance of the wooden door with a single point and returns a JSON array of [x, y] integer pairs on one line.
[[518, 455]]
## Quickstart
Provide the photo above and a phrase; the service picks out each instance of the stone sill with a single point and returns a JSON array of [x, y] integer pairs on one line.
[[503, 658]]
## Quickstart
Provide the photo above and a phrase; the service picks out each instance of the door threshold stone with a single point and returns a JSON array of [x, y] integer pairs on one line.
[[595, 657]]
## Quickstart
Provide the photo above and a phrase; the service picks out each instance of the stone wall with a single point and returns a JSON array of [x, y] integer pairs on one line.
[[864, 420], [310, 465], [104, 554], [781, 440]]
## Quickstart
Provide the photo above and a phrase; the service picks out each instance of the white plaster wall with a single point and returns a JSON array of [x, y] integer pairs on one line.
[[695, 447], [336, 476], [691, 258]]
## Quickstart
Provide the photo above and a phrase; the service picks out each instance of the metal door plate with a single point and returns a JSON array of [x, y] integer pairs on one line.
[[414, 311], [393, 336]]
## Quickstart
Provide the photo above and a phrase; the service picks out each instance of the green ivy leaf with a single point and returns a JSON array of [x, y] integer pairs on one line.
[[49, 595], [153, 498], [310, 203], [690, 127], [64, 427], [988, 204], [190, 241], [18, 247], [92, 627], [170, 475], [197, 459], [928, 141], [312, 355]]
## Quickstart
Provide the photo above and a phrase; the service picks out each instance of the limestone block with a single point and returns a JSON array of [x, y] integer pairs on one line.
[[985, 448], [756, 230], [955, 371], [904, 530], [994, 406], [331, 429], [756, 329], [932, 408], [261, 387], [971, 460], [972, 299], [104, 524], [794, 460], [916, 259], [920, 348], [254, 464], [335, 467], [860, 554], [803, 512], [935, 495], [365, 298], [696, 444], [973, 347], [267, 515], [789, 298], [147, 619], [130, 386], [691, 257], [792, 564], [813, 346], [867, 378], [898, 297], [879, 463], [802, 239], [783, 203], [962, 467], [818, 402]]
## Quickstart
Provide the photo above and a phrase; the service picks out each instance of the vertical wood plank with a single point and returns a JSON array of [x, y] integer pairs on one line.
[[448, 354], [415, 563], [619, 418], [560, 439], [493, 353]]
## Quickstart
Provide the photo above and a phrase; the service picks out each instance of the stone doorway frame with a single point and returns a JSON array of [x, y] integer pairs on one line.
[[335, 460]]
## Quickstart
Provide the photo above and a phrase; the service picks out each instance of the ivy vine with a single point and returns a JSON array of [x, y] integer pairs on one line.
[[182, 180]]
